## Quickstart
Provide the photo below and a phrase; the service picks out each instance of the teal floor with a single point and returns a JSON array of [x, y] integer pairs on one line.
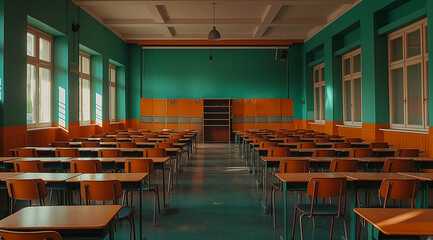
[[216, 198]]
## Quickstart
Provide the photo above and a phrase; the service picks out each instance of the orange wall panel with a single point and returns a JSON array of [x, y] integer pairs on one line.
[[183, 126], [185, 107], [158, 126], [13, 137], [173, 126], [408, 140], [288, 126], [146, 126], [250, 108], [317, 127], [146, 107], [238, 107], [287, 107], [349, 132], [262, 107], [274, 125], [197, 108], [249, 126], [41, 137], [238, 126], [273, 107], [159, 107], [198, 127], [172, 107]]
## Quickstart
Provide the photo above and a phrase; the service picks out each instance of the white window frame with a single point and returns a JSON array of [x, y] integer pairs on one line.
[[38, 63], [84, 77], [321, 85], [351, 78], [112, 84], [422, 58]]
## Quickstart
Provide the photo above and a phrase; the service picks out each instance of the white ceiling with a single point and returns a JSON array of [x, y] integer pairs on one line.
[[235, 19]]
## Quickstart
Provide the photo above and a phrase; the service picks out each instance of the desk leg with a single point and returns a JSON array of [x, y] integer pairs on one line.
[[111, 230], [353, 216], [141, 211], [252, 161], [163, 184], [265, 187], [286, 236]]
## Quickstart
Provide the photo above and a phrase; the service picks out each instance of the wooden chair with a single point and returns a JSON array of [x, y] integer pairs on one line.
[[67, 152], [259, 140], [177, 136], [102, 135], [143, 139], [324, 188], [341, 145], [281, 135], [79, 139], [144, 130], [107, 139], [90, 144], [378, 145], [154, 152], [152, 136], [279, 152], [126, 145], [60, 144], [86, 166], [343, 165], [26, 152], [360, 152], [268, 144], [109, 153], [292, 140], [40, 235], [322, 140], [406, 153], [26, 189], [145, 166], [324, 153], [108, 191], [398, 165], [123, 138], [334, 136], [351, 140], [163, 145], [32, 166], [306, 145], [288, 166]]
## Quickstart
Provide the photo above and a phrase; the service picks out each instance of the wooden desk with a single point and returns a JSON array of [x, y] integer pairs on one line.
[[129, 181], [69, 221], [6, 175], [397, 221], [46, 177]]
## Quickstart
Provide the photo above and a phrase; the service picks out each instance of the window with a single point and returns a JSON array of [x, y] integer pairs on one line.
[[84, 82], [352, 87], [39, 74], [408, 66], [319, 92], [112, 93]]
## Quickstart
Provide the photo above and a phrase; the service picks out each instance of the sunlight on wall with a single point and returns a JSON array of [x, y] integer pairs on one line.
[[99, 109], [62, 107]]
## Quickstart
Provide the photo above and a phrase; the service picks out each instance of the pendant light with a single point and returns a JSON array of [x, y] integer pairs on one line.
[[214, 34]]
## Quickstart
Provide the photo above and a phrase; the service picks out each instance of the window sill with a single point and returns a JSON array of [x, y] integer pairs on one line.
[[115, 123], [41, 128], [316, 123], [88, 124], [408, 130], [350, 126]]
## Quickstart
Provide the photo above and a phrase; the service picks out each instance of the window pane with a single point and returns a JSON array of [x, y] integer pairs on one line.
[[426, 39], [414, 98], [346, 66], [112, 75], [357, 99], [357, 63], [44, 95], [322, 74], [112, 103], [397, 49], [317, 103], [348, 100], [316, 76], [414, 43], [31, 93], [30, 44], [398, 96], [80, 96], [85, 66], [44, 50], [86, 100], [322, 106]]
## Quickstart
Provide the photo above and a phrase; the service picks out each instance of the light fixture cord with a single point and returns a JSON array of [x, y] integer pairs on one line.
[[213, 15]]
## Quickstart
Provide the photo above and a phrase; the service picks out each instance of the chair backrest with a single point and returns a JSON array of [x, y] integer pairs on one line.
[[67, 152], [343, 165], [268, 144], [109, 153], [399, 189], [406, 153], [86, 166], [31, 166], [26, 152], [294, 166], [144, 130], [292, 140], [259, 140], [143, 139], [40, 235], [177, 136], [327, 187], [281, 135], [27, 189], [324, 153], [155, 152], [334, 136], [398, 165], [322, 140], [123, 137], [170, 140], [351, 140], [98, 135], [361, 152], [90, 144], [126, 145], [163, 145], [139, 166], [107, 139], [152, 136], [378, 145], [79, 139], [101, 191], [60, 144], [306, 145], [341, 145], [279, 152]]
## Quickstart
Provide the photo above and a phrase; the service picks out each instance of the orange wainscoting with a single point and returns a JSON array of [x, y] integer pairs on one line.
[[13, 137], [408, 140], [350, 131]]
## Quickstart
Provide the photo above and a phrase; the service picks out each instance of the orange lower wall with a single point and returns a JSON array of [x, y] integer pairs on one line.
[[350, 132], [409, 140]]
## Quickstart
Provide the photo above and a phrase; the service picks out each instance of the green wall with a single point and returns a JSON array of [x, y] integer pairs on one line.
[[56, 17], [233, 73]]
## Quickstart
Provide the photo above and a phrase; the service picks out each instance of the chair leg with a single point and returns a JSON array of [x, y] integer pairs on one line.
[[294, 224], [132, 222], [157, 195], [154, 209], [300, 226], [274, 215], [332, 228], [345, 227]]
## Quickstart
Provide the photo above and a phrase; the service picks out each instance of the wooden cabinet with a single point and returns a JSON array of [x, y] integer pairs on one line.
[[217, 120]]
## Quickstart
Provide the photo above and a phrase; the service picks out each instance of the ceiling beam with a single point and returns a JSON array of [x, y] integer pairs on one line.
[[101, 20], [251, 42], [159, 14], [207, 2], [269, 15]]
